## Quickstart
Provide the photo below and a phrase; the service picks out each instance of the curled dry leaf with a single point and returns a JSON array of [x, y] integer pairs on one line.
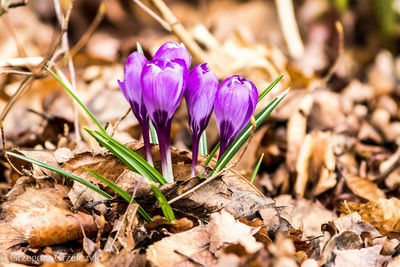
[[39, 215], [316, 164], [224, 229], [296, 130], [363, 188]]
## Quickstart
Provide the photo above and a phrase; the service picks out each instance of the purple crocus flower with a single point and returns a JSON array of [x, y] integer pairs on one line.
[[171, 51], [132, 90], [163, 86], [234, 105], [201, 89]]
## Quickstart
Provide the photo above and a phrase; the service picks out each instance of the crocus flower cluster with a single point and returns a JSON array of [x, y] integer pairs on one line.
[[154, 89]]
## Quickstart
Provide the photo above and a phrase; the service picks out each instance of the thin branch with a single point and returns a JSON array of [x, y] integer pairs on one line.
[[16, 72], [65, 48], [119, 121], [6, 5], [3, 139], [152, 14]]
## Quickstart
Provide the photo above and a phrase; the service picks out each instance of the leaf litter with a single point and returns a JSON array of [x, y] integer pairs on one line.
[[327, 189]]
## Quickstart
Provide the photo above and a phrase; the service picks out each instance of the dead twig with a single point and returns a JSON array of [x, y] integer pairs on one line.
[[152, 14], [188, 258], [65, 48], [6, 5], [16, 72], [3, 139], [119, 121]]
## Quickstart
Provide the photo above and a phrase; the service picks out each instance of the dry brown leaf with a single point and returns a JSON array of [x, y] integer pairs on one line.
[[192, 243], [297, 129], [316, 164], [40, 216], [306, 214], [224, 229], [230, 192], [363, 188], [383, 214], [324, 116]]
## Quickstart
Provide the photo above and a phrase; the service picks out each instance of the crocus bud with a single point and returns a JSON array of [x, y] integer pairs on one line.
[[132, 90], [234, 105], [163, 86], [171, 51], [201, 89]]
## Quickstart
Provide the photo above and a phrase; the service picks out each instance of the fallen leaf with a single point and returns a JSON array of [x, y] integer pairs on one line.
[[192, 243], [39, 215], [224, 229], [316, 164], [381, 213], [363, 188]]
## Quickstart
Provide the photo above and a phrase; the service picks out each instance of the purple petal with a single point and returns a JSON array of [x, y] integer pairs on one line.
[[234, 105], [163, 86], [171, 51], [201, 89], [131, 87]]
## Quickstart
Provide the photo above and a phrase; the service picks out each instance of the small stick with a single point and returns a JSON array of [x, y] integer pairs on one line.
[[197, 186], [119, 121], [3, 139], [65, 48], [16, 72], [6, 5], [188, 258], [152, 14]]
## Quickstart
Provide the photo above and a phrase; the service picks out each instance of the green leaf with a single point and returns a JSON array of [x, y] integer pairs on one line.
[[203, 143], [88, 112], [165, 207], [245, 134], [131, 159], [260, 97], [61, 172], [256, 169], [125, 195], [269, 88]]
